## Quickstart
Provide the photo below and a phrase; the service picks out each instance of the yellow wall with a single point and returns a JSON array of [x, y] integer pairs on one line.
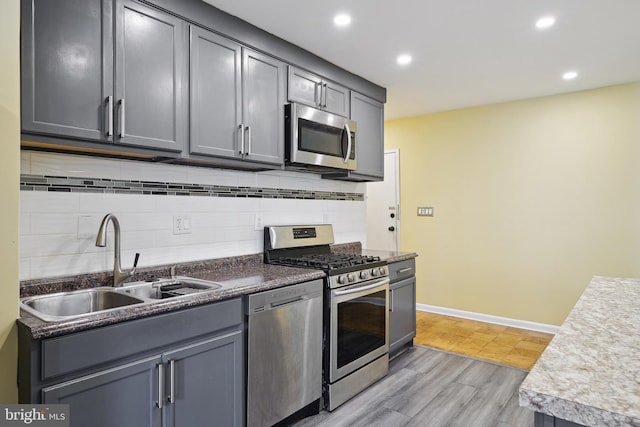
[[531, 199], [9, 185]]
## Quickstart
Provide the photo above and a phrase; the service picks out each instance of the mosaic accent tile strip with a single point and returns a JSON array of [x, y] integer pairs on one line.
[[118, 186]]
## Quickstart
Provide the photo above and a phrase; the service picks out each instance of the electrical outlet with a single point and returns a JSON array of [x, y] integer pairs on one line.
[[325, 218], [181, 224], [258, 223], [425, 211]]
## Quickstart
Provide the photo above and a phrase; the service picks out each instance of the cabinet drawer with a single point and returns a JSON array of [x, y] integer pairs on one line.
[[402, 269], [75, 352]]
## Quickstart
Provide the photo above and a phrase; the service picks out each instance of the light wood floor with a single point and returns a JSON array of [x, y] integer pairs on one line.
[[501, 344], [432, 388]]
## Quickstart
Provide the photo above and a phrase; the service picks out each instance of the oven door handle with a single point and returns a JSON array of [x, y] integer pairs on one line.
[[361, 288]]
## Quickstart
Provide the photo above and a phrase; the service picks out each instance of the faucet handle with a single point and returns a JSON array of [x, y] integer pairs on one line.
[[173, 271], [135, 265]]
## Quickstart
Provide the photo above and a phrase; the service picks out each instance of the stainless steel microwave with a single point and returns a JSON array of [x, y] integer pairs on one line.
[[317, 140]]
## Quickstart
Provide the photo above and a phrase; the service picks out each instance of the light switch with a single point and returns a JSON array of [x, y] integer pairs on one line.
[[425, 211]]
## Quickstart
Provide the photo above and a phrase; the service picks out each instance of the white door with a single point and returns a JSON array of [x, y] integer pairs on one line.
[[383, 204]]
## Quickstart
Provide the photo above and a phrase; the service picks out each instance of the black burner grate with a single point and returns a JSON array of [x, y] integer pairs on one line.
[[327, 261]]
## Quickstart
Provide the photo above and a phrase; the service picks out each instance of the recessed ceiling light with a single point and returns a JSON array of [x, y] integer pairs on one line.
[[545, 22], [342, 20], [570, 75], [404, 59]]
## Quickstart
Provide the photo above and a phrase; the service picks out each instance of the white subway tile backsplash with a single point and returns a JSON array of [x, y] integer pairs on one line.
[[25, 162], [57, 230]]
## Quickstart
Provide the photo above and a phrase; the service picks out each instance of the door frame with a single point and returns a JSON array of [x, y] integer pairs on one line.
[[396, 151]]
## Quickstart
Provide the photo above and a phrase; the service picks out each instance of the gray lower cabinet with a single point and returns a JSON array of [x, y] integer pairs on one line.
[[184, 368], [237, 100], [544, 420], [310, 89], [120, 396], [108, 71], [402, 305]]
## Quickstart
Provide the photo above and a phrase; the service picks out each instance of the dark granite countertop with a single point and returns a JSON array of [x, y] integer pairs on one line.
[[390, 256], [239, 276], [238, 280]]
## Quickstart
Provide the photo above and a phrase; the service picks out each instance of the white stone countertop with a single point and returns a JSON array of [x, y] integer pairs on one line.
[[590, 372]]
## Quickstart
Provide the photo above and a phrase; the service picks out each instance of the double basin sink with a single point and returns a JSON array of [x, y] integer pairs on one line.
[[75, 304]]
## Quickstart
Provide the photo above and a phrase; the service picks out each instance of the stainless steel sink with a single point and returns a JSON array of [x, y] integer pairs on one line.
[[168, 288], [67, 305]]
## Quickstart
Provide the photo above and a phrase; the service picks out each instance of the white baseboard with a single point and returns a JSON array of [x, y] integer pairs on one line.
[[487, 318]]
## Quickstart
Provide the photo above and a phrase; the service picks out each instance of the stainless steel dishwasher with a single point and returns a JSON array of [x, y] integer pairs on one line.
[[284, 352]]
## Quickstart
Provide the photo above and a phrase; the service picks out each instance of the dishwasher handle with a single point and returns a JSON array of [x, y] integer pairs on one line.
[[283, 297]]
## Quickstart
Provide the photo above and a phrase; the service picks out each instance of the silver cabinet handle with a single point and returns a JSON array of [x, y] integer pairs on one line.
[[324, 105], [172, 381], [346, 156], [391, 300], [248, 129], [122, 118], [241, 131], [160, 385], [109, 107], [317, 91], [405, 270]]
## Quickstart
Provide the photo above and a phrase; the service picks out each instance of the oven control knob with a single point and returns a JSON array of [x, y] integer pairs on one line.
[[364, 275], [351, 277], [382, 270], [342, 280], [375, 272]]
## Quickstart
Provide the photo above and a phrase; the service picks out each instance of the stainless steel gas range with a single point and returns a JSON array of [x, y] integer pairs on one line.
[[356, 303]]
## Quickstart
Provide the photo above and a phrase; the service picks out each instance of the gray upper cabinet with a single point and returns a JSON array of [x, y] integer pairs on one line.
[[67, 67], [70, 89], [263, 84], [369, 115], [310, 89], [237, 100], [150, 102], [215, 101]]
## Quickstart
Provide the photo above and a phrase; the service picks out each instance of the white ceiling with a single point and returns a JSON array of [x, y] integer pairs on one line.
[[465, 52]]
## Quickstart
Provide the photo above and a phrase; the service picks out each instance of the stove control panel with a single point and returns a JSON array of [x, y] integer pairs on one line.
[[358, 276]]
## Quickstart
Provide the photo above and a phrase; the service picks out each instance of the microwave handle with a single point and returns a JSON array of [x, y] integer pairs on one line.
[[346, 157]]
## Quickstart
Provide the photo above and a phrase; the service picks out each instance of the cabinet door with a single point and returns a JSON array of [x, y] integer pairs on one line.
[[304, 87], [215, 101], [263, 83], [207, 382], [151, 79], [124, 396], [402, 313], [336, 99], [67, 67], [369, 116]]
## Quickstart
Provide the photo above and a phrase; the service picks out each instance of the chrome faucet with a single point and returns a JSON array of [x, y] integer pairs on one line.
[[101, 240]]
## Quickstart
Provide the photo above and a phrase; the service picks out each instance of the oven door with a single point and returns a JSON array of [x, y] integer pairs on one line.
[[359, 326]]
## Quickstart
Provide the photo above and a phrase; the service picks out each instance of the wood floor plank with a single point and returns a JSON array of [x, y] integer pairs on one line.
[[445, 407], [427, 387]]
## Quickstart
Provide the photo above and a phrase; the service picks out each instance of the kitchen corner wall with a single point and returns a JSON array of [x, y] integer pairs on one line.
[[531, 199], [64, 198]]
